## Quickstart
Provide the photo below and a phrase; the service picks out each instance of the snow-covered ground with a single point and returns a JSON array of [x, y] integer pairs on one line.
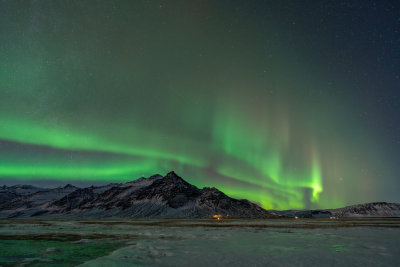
[[302, 242]]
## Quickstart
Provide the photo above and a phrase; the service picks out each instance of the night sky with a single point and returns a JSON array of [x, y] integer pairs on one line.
[[290, 104]]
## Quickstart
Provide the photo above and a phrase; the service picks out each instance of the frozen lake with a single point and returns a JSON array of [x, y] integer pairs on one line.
[[275, 242]]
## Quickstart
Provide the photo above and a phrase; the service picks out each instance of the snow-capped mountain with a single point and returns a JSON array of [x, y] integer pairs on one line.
[[375, 209], [11, 192], [154, 197], [25, 204]]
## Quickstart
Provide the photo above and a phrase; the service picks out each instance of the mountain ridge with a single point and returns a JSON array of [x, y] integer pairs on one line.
[[154, 197], [157, 196], [365, 210]]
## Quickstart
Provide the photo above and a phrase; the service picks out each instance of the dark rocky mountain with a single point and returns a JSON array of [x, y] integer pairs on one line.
[[11, 192], [154, 197], [28, 204], [375, 209], [78, 198]]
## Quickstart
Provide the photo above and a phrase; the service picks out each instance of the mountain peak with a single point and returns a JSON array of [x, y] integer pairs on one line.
[[172, 174], [155, 176], [70, 186]]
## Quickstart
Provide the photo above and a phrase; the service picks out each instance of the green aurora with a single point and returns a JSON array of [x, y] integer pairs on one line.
[[227, 94]]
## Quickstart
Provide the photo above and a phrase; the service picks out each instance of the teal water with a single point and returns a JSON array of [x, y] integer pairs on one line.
[[51, 253], [362, 242]]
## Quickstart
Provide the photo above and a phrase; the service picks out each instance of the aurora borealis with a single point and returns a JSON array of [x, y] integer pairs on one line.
[[286, 103]]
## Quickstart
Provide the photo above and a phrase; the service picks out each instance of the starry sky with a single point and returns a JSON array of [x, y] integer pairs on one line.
[[290, 104]]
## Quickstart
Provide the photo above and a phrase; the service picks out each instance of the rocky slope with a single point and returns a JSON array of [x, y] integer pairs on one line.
[[154, 197], [375, 209], [11, 192], [27, 204]]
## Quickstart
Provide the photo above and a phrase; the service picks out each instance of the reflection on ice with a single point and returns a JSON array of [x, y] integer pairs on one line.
[[359, 242]]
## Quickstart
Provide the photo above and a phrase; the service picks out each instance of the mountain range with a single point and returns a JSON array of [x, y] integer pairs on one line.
[[154, 197], [367, 210], [158, 196]]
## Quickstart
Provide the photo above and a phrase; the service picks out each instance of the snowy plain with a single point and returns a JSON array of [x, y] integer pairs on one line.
[[274, 242]]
